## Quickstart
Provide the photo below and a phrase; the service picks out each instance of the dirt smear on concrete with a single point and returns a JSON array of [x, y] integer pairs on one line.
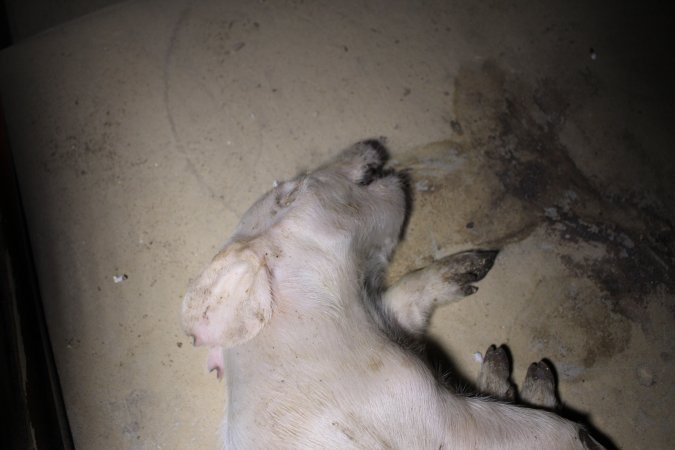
[[506, 174]]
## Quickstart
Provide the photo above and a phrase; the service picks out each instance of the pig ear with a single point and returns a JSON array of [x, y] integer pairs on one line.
[[231, 301]]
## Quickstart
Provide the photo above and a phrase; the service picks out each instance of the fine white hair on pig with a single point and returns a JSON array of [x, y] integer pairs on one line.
[[317, 353]]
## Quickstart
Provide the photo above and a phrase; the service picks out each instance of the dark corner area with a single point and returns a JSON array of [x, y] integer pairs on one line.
[[32, 415], [5, 38]]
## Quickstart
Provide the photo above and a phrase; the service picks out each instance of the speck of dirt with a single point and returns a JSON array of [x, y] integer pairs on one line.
[[456, 126]]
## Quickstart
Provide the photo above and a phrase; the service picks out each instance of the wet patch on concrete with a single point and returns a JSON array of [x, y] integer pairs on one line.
[[570, 324], [631, 270], [508, 173]]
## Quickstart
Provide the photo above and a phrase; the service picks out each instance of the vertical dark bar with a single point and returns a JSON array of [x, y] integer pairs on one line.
[[5, 34], [32, 410]]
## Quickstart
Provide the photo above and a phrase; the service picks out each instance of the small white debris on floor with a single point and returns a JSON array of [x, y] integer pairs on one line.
[[423, 186], [478, 357], [120, 278]]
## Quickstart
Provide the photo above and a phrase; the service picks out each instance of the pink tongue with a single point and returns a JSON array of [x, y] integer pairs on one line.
[[216, 361]]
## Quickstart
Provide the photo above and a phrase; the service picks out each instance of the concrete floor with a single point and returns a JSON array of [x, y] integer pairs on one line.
[[142, 132]]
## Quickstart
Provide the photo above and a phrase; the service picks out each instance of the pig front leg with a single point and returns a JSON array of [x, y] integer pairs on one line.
[[415, 296]]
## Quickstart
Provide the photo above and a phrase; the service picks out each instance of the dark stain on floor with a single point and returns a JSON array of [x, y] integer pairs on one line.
[[516, 125], [508, 173]]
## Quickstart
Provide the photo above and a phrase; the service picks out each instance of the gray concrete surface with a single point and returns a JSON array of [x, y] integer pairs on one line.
[[141, 133]]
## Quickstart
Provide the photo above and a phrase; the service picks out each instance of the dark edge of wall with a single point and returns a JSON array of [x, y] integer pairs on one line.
[[5, 34], [33, 413]]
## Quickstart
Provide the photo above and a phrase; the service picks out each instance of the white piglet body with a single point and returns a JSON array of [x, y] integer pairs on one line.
[[315, 352]]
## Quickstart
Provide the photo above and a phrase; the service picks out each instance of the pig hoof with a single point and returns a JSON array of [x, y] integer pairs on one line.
[[539, 386], [467, 267], [494, 375]]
